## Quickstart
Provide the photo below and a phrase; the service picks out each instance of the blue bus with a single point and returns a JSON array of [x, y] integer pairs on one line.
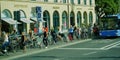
[[110, 26]]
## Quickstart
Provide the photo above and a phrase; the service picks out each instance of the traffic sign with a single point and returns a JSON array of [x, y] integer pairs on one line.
[[39, 13], [38, 9]]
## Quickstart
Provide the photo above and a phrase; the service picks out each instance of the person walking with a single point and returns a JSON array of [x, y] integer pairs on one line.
[[5, 42], [54, 35], [23, 42], [45, 39], [95, 31], [70, 34]]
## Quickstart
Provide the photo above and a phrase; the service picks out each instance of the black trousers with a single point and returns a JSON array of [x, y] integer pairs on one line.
[[45, 41]]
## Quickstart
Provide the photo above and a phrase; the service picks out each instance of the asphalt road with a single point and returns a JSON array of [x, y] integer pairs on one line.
[[102, 49]]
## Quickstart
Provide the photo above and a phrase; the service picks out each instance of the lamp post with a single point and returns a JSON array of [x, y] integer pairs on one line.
[[68, 13], [0, 20]]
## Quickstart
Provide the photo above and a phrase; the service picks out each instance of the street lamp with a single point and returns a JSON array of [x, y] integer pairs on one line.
[[0, 20], [68, 13]]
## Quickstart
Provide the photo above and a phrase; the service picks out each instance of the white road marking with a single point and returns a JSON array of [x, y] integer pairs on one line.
[[102, 41], [117, 47], [111, 45], [81, 48], [90, 53], [56, 59]]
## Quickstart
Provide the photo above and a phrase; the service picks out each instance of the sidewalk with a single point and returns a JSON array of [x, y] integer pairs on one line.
[[38, 50]]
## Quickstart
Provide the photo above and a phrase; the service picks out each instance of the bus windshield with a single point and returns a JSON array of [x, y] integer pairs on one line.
[[110, 22]]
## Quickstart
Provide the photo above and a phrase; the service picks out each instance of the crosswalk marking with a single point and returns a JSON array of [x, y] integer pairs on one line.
[[111, 45], [117, 47]]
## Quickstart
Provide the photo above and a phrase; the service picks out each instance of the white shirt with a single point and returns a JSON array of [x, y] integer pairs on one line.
[[6, 38]]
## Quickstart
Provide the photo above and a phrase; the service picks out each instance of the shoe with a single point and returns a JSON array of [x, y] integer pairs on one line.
[[46, 47], [5, 50]]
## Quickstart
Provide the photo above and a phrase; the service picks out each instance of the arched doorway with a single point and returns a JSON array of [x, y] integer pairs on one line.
[[56, 22], [85, 18], [65, 23], [6, 26], [79, 19], [23, 26], [46, 18], [72, 18]]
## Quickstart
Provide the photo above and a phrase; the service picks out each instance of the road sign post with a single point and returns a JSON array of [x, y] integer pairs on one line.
[[39, 16]]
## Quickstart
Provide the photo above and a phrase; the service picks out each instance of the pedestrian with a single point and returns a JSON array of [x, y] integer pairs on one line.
[[23, 42], [30, 39], [5, 42], [70, 34], [95, 31], [54, 35], [45, 39], [30, 34]]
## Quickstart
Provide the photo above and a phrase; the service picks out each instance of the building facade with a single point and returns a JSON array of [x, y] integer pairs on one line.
[[54, 13]]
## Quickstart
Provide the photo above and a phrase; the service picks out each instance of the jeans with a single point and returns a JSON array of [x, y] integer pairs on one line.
[[5, 45]]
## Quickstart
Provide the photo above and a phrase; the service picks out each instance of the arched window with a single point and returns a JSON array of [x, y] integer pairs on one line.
[[6, 14], [79, 19], [46, 18], [55, 1], [64, 1], [90, 18], [90, 2], [64, 20], [22, 14], [72, 1], [45, 0], [85, 2], [72, 18], [22, 27], [56, 22], [79, 1], [85, 18]]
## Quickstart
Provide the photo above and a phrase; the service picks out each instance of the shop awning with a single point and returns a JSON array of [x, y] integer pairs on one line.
[[10, 21], [35, 19], [26, 21]]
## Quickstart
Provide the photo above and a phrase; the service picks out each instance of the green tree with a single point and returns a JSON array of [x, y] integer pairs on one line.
[[106, 7]]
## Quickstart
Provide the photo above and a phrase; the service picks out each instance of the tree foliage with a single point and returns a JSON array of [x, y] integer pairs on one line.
[[105, 7]]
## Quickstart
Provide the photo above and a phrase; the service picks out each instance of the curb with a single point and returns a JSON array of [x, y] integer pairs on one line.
[[44, 50]]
